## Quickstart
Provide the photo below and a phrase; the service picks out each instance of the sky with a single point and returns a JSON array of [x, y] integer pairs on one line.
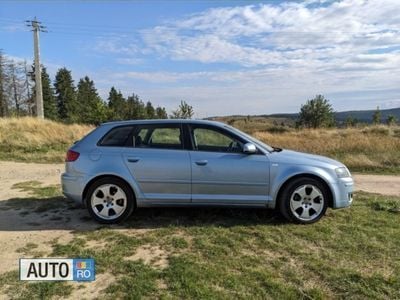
[[222, 57]]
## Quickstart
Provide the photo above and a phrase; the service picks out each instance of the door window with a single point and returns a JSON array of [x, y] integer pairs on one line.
[[206, 139], [158, 137]]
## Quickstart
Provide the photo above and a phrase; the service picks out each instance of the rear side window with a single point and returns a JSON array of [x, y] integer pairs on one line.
[[159, 136], [117, 137]]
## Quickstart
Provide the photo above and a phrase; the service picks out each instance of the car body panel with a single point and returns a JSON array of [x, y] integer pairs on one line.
[[162, 175], [229, 178]]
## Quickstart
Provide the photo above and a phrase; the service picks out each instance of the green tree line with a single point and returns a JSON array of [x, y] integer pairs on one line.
[[64, 101], [82, 103]]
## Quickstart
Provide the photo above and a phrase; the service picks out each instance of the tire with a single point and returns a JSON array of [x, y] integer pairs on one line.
[[110, 200], [304, 200]]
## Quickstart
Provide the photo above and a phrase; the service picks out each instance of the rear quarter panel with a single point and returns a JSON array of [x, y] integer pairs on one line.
[[95, 161]]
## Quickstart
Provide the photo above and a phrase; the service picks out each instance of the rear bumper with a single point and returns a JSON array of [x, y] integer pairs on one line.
[[72, 187], [343, 192]]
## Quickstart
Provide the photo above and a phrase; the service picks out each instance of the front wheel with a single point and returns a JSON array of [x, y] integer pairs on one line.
[[110, 200], [304, 201]]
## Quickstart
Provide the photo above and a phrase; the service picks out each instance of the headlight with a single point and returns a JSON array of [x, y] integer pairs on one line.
[[342, 172]]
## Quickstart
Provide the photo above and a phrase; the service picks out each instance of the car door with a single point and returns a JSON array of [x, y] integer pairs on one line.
[[160, 164], [222, 173]]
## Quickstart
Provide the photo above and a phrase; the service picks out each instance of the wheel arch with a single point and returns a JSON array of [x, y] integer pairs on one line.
[[305, 175], [93, 180]]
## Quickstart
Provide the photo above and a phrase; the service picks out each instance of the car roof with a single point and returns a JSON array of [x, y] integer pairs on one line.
[[164, 121]]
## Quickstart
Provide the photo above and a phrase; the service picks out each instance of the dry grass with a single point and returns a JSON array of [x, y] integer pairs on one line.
[[30, 139], [372, 149], [375, 148]]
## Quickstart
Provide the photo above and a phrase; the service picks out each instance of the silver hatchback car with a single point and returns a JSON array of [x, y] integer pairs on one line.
[[120, 166]]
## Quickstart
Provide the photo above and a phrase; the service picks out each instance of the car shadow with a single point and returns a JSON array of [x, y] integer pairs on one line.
[[59, 213]]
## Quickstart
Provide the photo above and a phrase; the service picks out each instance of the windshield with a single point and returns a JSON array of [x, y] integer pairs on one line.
[[253, 139]]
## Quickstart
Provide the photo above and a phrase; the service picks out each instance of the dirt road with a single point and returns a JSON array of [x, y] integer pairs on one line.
[[48, 174], [19, 227], [380, 184]]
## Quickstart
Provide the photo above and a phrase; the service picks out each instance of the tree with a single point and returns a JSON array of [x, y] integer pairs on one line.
[[351, 121], [135, 108], [49, 99], [14, 92], [150, 111], [391, 120], [92, 107], [161, 113], [68, 107], [376, 117], [3, 99], [317, 112], [16, 88], [116, 105], [30, 101], [184, 111]]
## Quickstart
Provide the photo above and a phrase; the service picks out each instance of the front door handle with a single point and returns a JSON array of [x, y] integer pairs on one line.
[[201, 162], [133, 159]]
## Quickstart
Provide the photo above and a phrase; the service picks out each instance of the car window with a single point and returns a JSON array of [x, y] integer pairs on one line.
[[158, 137], [143, 132], [206, 139], [117, 136]]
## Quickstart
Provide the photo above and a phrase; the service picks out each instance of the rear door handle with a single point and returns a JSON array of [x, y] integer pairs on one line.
[[201, 162], [133, 159]]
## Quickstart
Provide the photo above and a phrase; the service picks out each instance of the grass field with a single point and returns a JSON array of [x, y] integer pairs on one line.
[[366, 149], [225, 253], [370, 149], [32, 140]]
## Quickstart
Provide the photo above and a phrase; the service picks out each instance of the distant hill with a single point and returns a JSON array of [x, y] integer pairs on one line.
[[364, 116]]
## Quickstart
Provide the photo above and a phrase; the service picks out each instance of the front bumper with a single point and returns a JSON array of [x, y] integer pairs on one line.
[[343, 192]]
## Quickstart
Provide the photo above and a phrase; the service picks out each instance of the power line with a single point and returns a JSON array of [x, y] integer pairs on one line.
[[90, 28]]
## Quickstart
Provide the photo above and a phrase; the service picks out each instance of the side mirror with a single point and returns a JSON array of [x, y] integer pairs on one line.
[[249, 148]]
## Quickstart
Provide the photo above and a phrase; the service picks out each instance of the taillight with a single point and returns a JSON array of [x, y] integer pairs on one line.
[[71, 156]]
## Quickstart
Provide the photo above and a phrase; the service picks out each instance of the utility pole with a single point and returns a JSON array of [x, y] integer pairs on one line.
[[36, 28]]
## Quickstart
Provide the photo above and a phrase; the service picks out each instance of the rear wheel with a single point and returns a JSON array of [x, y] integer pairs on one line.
[[110, 200], [304, 200]]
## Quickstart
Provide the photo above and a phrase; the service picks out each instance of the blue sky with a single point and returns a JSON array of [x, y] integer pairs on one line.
[[223, 57]]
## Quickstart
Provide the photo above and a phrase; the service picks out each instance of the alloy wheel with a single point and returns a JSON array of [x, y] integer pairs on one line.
[[307, 202], [108, 201]]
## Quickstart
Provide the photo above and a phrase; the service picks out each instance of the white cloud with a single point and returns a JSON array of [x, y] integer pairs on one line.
[[129, 60], [278, 55], [257, 35], [116, 45], [13, 27], [159, 77]]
